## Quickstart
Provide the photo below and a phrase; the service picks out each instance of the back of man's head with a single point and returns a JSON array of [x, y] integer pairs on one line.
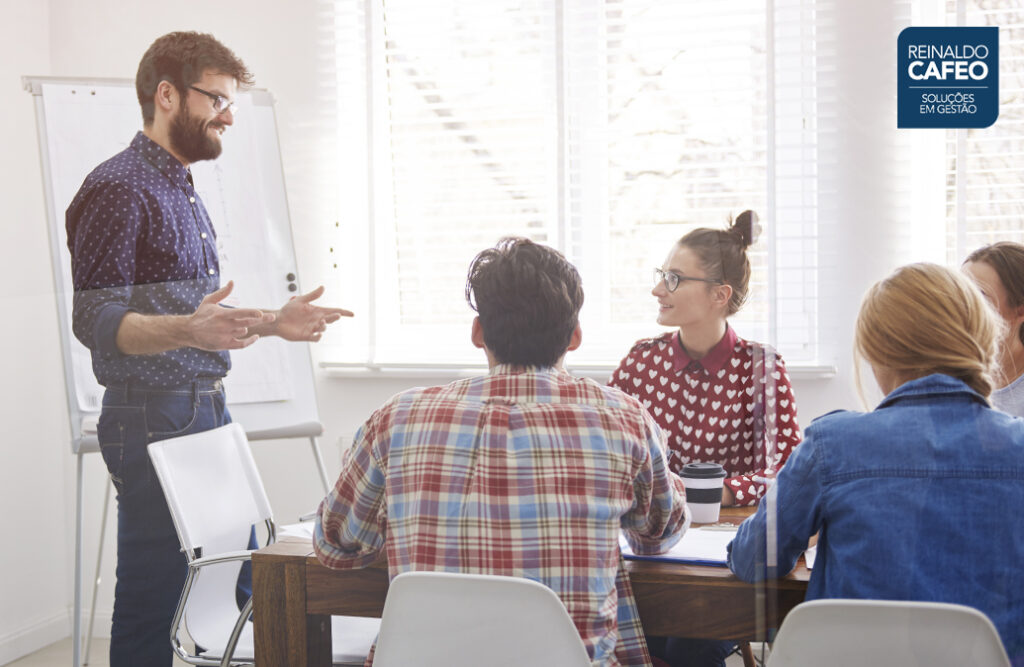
[[528, 298], [181, 58]]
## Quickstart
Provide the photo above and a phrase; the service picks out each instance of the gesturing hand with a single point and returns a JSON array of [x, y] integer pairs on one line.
[[213, 327], [300, 320]]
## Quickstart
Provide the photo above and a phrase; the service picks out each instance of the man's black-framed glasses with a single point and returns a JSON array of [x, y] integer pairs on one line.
[[220, 103], [673, 280]]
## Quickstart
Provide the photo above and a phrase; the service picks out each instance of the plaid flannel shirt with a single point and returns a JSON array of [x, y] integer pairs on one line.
[[529, 474]]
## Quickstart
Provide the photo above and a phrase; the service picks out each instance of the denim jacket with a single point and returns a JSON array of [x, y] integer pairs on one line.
[[920, 499]]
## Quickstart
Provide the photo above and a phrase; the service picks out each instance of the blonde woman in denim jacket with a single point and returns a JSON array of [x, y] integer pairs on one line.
[[920, 498]]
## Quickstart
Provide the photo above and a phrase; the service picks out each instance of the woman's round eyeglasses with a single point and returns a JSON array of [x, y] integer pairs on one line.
[[673, 280]]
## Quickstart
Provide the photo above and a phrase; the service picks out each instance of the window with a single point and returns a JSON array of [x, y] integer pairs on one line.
[[605, 128], [984, 201]]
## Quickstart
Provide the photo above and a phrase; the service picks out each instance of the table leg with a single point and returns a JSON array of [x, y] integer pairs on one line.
[[285, 635]]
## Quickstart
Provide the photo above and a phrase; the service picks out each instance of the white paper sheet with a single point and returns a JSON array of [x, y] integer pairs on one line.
[[698, 545]]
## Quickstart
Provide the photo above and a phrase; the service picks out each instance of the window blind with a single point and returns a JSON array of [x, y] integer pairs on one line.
[[985, 167], [605, 128]]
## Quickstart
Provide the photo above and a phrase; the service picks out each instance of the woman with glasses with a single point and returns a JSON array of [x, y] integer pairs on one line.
[[998, 270], [719, 398]]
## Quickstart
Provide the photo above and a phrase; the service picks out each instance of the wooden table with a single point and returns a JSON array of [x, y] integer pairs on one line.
[[294, 597]]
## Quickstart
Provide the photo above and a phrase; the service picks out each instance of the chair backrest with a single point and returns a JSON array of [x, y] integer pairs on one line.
[[884, 633], [212, 487], [464, 620], [214, 493]]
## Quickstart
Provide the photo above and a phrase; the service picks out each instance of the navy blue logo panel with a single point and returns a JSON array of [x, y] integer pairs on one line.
[[947, 77]]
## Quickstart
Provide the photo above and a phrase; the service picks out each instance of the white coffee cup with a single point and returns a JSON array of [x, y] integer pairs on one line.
[[704, 483]]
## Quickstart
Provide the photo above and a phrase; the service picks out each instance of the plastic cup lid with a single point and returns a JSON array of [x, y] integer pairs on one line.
[[703, 470]]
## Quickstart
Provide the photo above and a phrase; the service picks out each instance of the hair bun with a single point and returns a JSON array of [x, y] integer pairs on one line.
[[745, 227]]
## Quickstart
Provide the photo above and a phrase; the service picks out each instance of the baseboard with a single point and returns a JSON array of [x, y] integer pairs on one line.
[[31, 638], [100, 626]]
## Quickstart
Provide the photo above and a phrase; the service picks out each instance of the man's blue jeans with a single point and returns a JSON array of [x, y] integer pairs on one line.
[[151, 568]]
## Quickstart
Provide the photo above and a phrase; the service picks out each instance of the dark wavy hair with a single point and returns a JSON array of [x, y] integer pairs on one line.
[[528, 298], [181, 58], [723, 254], [1007, 259]]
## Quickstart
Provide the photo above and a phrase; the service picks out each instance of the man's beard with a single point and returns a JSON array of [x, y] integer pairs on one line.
[[190, 139]]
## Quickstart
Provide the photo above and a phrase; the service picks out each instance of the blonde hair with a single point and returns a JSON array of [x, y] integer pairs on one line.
[[924, 319]]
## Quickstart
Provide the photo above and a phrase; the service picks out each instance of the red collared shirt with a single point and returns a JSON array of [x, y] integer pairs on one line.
[[735, 406]]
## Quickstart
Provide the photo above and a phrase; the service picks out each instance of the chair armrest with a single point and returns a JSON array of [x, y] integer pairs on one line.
[[194, 567], [225, 557]]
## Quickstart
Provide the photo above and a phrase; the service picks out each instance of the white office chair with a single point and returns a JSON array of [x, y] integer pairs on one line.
[[886, 633], [214, 493], [440, 619]]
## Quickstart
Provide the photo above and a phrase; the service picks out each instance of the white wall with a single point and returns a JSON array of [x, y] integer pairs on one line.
[[106, 38], [35, 475], [282, 44]]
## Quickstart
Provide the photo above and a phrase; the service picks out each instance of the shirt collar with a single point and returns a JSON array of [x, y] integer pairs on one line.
[[158, 156], [935, 384], [712, 361], [513, 369]]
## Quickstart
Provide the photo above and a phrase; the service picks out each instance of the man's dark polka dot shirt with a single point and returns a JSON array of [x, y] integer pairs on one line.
[[141, 240]]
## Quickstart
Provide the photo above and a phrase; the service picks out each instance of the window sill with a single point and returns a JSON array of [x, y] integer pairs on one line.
[[598, 372]]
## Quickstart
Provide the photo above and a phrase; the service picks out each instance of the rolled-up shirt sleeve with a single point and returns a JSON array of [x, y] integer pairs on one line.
[[103, 230], [659, 515], [351, 523]]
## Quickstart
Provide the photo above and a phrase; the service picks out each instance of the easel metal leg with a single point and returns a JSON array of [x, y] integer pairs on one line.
[[320, 464], [76, 622], [99, 563]]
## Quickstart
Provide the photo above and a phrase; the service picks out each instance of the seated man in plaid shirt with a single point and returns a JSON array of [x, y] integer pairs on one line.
[[526, 471]]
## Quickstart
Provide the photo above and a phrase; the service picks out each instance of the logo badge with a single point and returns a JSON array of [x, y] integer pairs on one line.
[[947, 77]]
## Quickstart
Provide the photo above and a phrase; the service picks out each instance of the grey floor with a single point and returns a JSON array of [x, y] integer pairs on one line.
[[59, 655]]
